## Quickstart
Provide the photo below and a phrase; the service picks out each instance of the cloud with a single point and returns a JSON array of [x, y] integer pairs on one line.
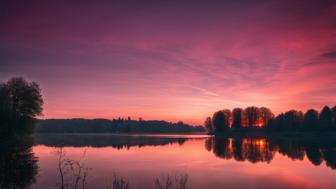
[[330, 54], [163, 56]]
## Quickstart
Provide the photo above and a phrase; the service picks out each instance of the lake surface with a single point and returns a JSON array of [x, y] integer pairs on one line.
[[208, 162]]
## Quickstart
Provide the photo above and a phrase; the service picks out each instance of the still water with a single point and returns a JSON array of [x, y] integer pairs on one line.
[[207, 162]]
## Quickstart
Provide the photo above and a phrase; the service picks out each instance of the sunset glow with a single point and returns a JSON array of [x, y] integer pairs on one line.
[[294, 174], [171, 60]]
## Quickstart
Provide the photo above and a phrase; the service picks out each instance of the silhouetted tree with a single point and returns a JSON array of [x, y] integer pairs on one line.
[[265, 115], [252, 115], [219, 122], [228, 117], [237, 117], [292, 120], [276, 124], [287, 121], [4, 97], [208, 124], [334, 115], [310, 120], [20, 103], [325, 118]]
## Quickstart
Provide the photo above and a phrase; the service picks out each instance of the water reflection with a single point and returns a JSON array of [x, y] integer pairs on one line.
[[18, 165], [134, 155], [114, 141], [263, 150], [253, 150]]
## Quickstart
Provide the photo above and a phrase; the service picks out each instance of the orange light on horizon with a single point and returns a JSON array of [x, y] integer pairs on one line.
[[260, 142]]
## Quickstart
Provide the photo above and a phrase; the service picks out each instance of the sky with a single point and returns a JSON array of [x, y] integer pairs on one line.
[[171, 60]]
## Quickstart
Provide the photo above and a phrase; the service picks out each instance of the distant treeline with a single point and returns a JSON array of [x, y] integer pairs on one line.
[[113, 126], [255, 118]]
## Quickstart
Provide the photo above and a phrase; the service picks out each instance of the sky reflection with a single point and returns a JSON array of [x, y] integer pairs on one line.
[[206, 169]]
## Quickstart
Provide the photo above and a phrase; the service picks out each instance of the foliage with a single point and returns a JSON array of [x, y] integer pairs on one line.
[[253, 119], [208, 125], [334, 115], [20, 103], [325, 118], [237, 117], [265, 115], [310, 120], [252, 115], [219, 121]]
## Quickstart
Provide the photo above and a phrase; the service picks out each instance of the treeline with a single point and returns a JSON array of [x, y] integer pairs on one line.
[[238, 118], [312, 120], [254, 118], [119, 125]]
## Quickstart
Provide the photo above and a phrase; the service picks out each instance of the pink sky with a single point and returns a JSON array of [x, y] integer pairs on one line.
[[176, 60]]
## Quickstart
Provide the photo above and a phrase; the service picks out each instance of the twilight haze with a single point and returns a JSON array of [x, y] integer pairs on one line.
[[171, 60]]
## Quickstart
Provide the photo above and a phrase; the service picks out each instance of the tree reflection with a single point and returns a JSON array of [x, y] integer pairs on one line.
[[222, 147], [115, 141], [314, 155], [257, 150], [18, 165], [237, 149], [253, 150], [329, 155], [291, 148]]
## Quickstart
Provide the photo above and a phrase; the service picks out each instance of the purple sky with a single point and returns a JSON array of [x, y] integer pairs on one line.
[[173, 60]]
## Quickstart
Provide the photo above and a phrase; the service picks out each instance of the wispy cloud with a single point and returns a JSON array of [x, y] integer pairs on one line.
[[172, 60]]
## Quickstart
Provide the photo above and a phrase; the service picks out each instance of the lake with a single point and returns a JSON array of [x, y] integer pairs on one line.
[[202, 161]]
